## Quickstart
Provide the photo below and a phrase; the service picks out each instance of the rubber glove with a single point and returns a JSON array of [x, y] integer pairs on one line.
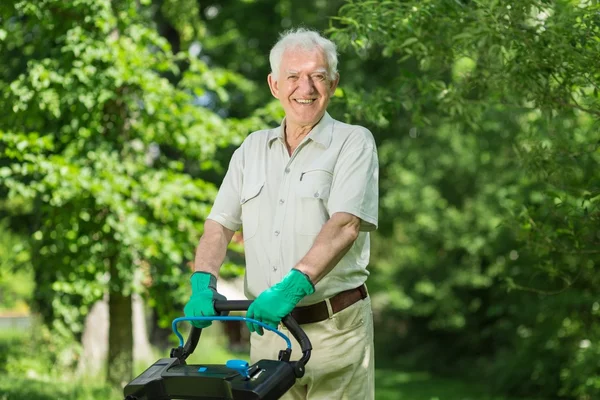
[[204, 294], [279, 300]]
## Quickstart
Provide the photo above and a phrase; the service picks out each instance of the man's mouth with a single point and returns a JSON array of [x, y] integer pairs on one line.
[[305, 101]]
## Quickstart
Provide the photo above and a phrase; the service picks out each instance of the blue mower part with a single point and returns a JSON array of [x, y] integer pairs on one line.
[[225, 318]]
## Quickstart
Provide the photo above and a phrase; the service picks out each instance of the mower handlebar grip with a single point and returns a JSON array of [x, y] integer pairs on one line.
[[297, 331], [231, 305]]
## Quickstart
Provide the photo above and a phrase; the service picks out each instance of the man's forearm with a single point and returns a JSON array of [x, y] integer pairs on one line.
[[335, 239], [212, 248]]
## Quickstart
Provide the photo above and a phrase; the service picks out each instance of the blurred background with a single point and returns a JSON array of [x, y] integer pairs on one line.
[[117, 122]]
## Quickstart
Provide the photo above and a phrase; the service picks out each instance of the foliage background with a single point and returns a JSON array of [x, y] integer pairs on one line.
[[119, 118]]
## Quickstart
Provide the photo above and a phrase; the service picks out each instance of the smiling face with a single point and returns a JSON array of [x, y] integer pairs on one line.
[[303, 86]]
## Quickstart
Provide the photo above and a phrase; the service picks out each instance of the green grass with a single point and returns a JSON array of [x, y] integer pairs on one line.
[[390, 385], [20, 388], [26, 373], [394, 385]]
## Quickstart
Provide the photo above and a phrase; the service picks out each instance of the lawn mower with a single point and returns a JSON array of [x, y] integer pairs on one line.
[[172, 378]]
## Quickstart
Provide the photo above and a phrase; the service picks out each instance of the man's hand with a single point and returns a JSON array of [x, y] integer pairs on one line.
[[279, 300], [204, 294]]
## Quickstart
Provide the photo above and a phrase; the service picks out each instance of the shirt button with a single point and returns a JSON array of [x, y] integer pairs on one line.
[[274, 268], [287, 170], [317, 194], [281, 201], [276, 233], [243, 200]]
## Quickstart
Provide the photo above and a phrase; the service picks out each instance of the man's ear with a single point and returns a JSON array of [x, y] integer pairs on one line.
[[334, 83], [273, 85]]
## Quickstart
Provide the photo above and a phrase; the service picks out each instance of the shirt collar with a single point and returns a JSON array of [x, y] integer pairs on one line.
[[320, 133]]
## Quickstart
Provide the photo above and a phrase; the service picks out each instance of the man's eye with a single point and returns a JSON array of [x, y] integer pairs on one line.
[[319, 77], [293, 77]]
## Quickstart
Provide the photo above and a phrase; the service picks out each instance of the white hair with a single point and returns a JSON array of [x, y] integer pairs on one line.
[[305, 39]]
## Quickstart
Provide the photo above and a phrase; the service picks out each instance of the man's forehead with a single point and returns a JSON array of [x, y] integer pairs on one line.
[[299, 53], [301, 60]]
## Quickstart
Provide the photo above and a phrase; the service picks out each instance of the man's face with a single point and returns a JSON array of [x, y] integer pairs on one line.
[[303, 86]]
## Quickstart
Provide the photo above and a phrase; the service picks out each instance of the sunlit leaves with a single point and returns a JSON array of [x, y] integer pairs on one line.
[[487, 115], [106, 140]]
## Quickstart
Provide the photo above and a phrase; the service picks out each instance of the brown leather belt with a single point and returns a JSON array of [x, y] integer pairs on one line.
[[318, 312]]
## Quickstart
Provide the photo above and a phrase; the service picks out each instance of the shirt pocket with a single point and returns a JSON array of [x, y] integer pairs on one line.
[[250, 203], [312, 197]]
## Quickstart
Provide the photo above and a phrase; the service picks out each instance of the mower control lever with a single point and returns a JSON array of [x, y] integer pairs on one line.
[[240, 366]]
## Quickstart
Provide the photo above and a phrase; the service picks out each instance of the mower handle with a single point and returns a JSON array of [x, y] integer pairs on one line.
[[223, 307]]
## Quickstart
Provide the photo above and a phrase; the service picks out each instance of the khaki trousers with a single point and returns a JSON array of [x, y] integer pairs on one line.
[[341, 365]]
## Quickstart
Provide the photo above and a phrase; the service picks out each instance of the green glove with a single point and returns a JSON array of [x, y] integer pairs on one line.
[[204, 294], [279, 300]]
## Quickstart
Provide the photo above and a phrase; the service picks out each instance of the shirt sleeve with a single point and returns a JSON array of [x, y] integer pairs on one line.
[[227, 209], [355, 186]]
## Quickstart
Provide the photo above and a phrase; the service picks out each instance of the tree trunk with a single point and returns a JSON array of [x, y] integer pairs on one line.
[[159, 337], [120, 339]]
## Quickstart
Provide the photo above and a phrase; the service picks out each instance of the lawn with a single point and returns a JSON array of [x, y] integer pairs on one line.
[[400, 385], [391, 385], [21, 388]]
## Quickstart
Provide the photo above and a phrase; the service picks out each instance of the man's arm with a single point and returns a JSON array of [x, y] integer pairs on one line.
[[212, 247], [332, 243], [224, 219], [352, 205], [209, 257]]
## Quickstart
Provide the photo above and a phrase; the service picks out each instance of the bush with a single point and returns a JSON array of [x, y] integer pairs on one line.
[[37, 353], [39, 365]]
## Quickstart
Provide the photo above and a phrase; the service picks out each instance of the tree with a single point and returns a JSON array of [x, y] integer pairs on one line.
[[487, 117], [103, 151]]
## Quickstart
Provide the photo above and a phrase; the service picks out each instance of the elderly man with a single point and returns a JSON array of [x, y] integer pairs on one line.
[[305, 195]]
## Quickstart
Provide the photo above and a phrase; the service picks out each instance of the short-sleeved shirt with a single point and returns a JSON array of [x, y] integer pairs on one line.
[[281, 202]]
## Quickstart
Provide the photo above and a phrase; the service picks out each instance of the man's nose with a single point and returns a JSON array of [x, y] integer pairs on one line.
[[306, 84]]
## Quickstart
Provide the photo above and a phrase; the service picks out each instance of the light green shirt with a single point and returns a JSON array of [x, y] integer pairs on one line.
[[281, 202]]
